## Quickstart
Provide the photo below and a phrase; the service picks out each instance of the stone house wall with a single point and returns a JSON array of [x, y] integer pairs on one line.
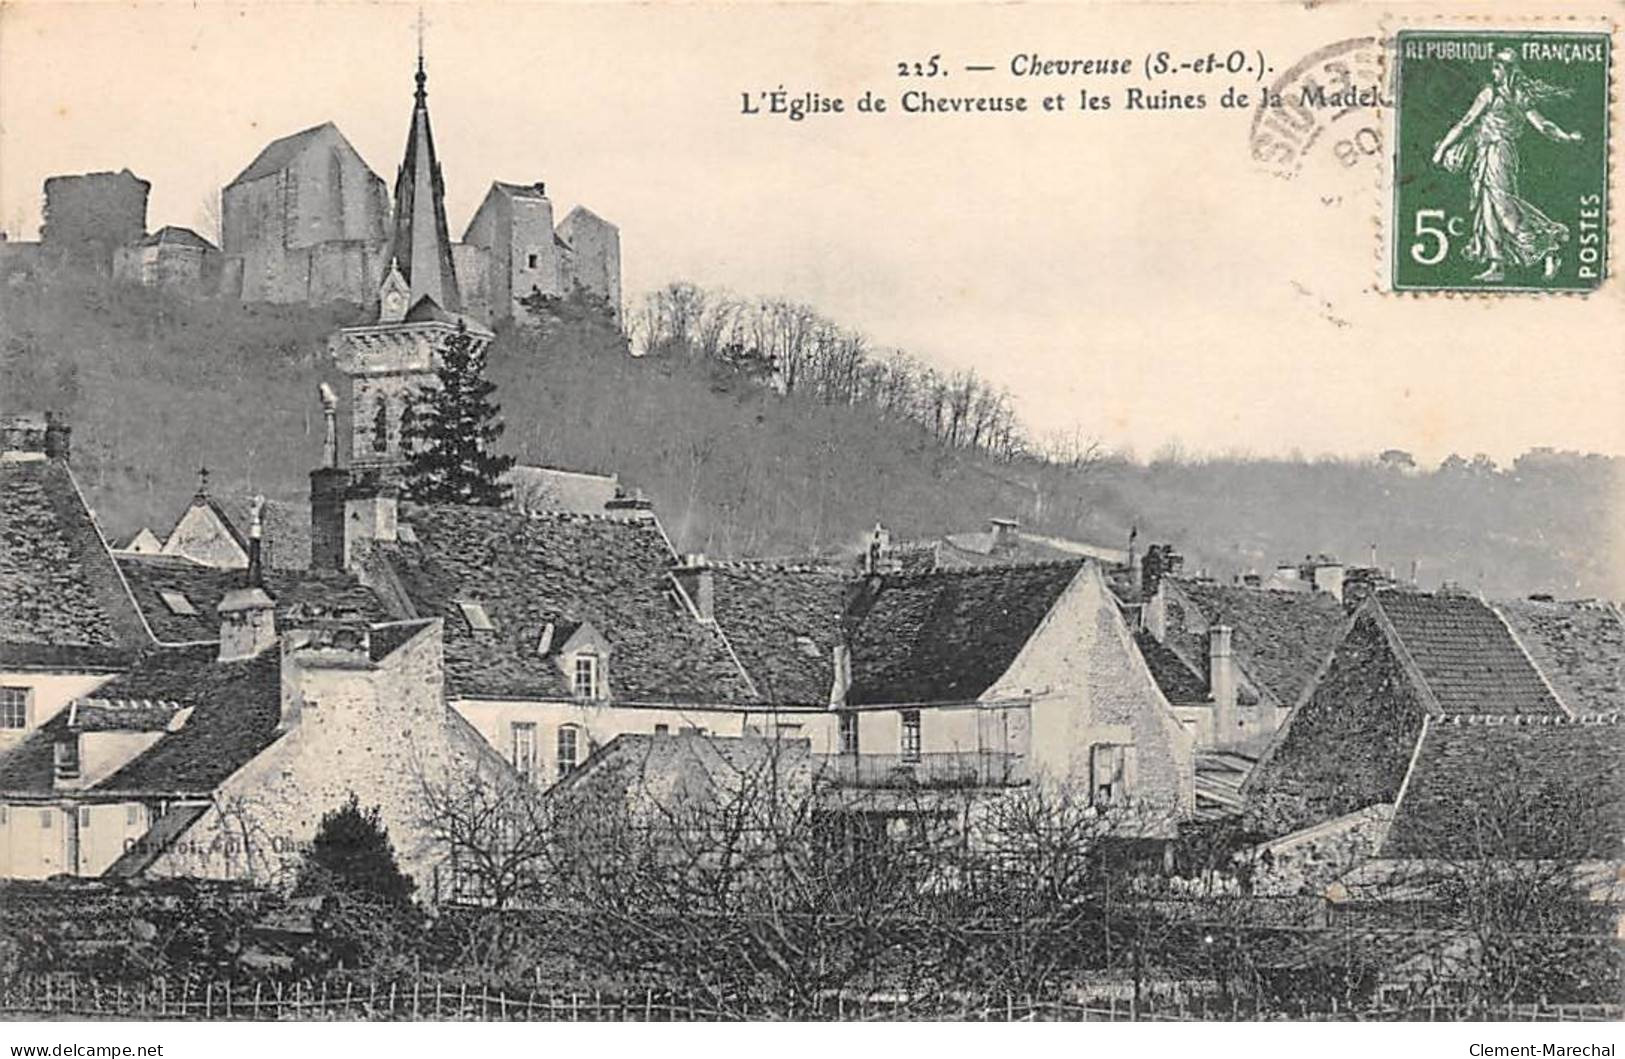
[[377, 733], [1089, 687]]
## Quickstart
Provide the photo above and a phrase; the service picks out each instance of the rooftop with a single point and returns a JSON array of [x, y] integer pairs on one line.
[[1280, 639], [1578, 645], [61, 600], [527, 571], [946, 636], [1466, 655], [1542, 788]]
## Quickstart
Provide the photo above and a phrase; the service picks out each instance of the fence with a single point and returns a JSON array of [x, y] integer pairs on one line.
[[439, 1000]]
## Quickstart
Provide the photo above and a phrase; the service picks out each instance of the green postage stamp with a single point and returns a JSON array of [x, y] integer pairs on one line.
[[1500, 179]]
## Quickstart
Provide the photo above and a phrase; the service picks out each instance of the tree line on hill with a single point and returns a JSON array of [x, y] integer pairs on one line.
[[741, 462]]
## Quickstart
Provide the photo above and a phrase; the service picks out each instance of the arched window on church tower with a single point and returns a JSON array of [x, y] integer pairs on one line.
[[380, 425], [409, 425]]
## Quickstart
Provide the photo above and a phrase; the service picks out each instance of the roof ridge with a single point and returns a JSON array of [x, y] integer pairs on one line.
[[989, 568], [1550, 720]]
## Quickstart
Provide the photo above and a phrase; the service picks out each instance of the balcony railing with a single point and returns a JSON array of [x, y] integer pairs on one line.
[[953, 770]]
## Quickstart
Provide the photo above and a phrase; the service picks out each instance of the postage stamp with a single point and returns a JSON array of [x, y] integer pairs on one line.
[[1500, 177]]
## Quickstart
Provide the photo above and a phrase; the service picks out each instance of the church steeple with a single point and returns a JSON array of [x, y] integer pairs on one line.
[[422, 241]]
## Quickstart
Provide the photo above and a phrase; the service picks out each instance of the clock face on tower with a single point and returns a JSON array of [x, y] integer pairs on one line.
[[395, 300]]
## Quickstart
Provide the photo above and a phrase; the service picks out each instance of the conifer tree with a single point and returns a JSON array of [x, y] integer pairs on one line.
[[352, 852], [454, 428]]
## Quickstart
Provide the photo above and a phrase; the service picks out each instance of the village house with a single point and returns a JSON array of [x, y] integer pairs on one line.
[[67, 623], [1233, 662], [977, 679], [216, 753], [1417, 675]]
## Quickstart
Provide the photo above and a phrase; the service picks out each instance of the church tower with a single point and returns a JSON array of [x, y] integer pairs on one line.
[[421, 247], [419, 308]]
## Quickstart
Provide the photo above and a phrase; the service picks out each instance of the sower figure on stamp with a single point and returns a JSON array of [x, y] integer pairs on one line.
[[1506, 227]]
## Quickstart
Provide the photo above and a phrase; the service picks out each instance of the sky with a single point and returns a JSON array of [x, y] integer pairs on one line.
[[1139, 278]]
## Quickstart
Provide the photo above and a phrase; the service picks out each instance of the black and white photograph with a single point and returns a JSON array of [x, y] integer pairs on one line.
[[1102, 514]]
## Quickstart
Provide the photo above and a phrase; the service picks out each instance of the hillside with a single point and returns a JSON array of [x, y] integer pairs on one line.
[[155, 386]]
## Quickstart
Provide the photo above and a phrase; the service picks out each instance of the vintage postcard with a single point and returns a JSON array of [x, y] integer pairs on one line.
[[1095, 512]]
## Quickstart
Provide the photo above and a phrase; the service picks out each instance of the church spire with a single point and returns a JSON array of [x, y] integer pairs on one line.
[[422, 241]]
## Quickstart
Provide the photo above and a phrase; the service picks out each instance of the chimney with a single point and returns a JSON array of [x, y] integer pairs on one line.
[[319, 645], [330, 434], [57, 436], [875, 558], [1004, 532], [695, 577], [1221, 669], [348, 510], [34, 436], [248, 613], [634, 503]]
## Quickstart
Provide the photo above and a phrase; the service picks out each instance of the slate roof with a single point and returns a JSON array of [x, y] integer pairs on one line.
[[279, 154], [1579, 646], [151, 575], [1348, 744], [1528, 789], [1466, 655], [62, 603], [284, 529], [1279, 639], [236, 707], [529, 570], [784, 622], [946, 636], [664, 772], [122, 715], [1180, 684]]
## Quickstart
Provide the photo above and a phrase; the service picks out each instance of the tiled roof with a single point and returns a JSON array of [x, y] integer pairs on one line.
[[1280, 639], [1180, 684], [235, 710], [529, 570], [149, 576], [1466, 655], [784, 622], [1525, 789], [61, 600], [1579, 646], [279, 154], [947, 636]]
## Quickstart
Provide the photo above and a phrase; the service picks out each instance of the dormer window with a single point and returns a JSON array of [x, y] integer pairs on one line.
[[585, 677], [177, 602], [478, 620], [67, 759]]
